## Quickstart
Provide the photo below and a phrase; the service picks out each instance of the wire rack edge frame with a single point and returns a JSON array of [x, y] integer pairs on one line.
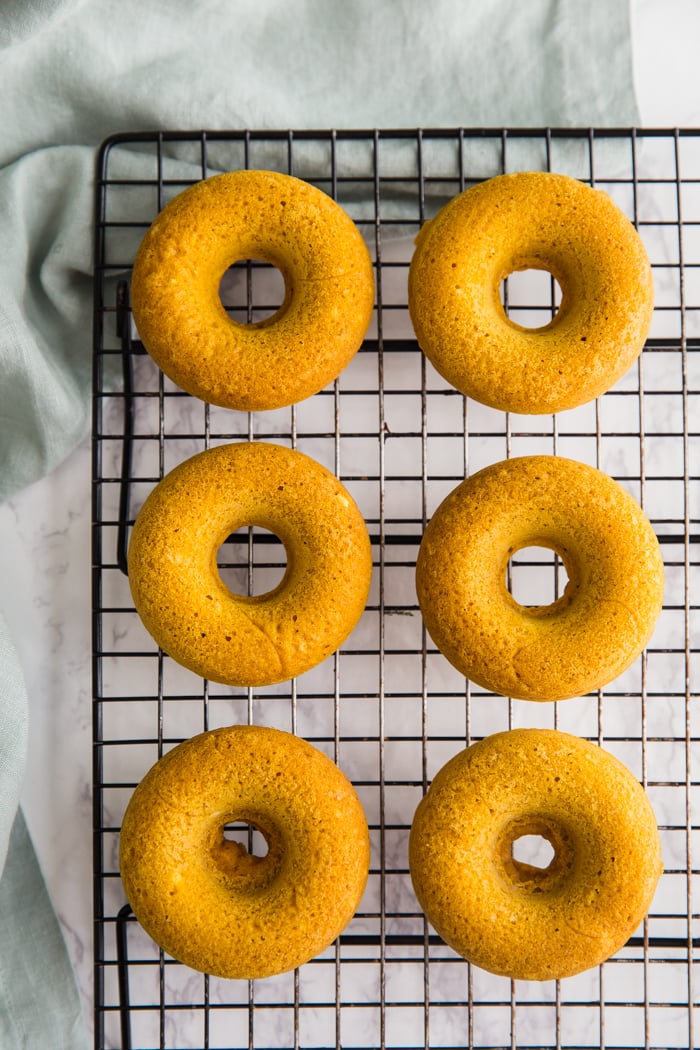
[[159, 137]]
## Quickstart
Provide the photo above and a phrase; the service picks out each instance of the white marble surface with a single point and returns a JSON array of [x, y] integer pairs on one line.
[[45, 564]]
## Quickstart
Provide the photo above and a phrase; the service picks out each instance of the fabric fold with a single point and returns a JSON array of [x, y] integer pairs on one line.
[[39, 1003]]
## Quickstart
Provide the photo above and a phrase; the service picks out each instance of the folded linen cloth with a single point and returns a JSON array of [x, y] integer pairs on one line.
[[74, 72], [39, 1004], [77, 71]]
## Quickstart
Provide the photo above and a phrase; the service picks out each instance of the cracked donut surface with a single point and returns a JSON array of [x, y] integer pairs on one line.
[[239, 639], [518, 919], [609, 607]]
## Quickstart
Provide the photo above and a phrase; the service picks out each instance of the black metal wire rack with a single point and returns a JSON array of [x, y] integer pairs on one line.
[[387, 707]]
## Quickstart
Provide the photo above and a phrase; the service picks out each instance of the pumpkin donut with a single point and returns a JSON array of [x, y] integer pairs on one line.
[[327, 307], [514, 918], [203, 897], [234, 638], [611, 602], [541, 221]]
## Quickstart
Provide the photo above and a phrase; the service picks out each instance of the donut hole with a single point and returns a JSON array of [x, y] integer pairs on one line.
[[252, 291], [250, 838], [534, 850], [533, 860], [536, 577], [531, 297], [535, 853], [252, 561], [246, 853]]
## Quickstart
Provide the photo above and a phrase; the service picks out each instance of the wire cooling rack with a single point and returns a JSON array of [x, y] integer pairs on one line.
[[388, 708]]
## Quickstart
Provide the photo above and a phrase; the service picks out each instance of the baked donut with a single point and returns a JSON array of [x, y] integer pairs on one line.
[[540, 221], [613, 597], [233, 638], [202, 897], [513, 918], [329, 290]]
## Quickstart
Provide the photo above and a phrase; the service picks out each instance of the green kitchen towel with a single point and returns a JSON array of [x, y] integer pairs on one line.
[[13, 739], [39, 1005], [74, 72]]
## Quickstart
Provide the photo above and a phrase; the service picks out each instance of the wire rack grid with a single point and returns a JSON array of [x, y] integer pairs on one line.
[[388, 707]]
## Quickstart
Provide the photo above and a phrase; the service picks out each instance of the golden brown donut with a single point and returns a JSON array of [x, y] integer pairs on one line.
[[613, 597], [513, 918], [329, 290], [203, 898], [541, 221], [233, 638]]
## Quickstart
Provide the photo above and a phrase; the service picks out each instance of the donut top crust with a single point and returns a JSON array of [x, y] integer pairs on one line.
[[610, 604], [276, 218], [512, 918], [181, 597], [531, 220], [202, 897]]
